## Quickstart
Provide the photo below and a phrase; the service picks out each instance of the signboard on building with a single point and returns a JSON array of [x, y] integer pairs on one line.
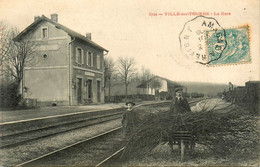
[[89, 74]]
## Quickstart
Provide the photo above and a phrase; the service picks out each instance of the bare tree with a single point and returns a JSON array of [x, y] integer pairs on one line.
[[145, 74], [126, 70], [19, 54], [136, 77], [109, 71], [5, 44], [156, 83]]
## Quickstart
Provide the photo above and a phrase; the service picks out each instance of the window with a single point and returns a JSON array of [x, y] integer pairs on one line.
[[90, 59], [45, 32], [98, 62], [79, 56], [45, 56]]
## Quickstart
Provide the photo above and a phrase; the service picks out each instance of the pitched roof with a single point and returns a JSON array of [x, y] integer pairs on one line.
[[169, 82], [59, 26]]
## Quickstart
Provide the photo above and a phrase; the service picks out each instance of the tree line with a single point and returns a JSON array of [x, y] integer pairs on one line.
[[124, 70]]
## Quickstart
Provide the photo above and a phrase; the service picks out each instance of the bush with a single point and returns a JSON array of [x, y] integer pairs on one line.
[[224, 134], [9, 96]]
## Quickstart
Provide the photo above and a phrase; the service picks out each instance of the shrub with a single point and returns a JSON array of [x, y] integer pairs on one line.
[[224, 133], [9, 96]]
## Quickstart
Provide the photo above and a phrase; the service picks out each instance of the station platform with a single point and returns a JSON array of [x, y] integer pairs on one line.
[[45, 112]]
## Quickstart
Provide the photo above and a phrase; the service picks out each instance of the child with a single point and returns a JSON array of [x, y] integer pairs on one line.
[[129, 120]]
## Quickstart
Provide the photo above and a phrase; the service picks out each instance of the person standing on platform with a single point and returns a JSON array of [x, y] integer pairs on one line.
[[129, 120]]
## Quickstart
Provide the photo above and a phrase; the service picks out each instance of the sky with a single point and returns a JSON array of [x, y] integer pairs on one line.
[[127, 29]]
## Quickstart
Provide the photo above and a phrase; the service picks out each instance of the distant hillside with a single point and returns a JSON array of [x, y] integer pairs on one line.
[[205, 88], [210, 89]]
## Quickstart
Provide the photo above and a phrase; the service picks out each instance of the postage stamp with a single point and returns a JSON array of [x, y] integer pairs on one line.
[[193, 42], [237, 50]]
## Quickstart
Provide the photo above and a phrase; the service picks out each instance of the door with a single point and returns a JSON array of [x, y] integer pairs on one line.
[[90, 89], [79, 90], [98, 91]]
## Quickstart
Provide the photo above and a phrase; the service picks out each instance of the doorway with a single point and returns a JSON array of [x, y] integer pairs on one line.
[[89, 88], [98, 91], [79, 90]]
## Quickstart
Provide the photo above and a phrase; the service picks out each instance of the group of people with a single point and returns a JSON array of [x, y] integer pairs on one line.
[[179, 105]]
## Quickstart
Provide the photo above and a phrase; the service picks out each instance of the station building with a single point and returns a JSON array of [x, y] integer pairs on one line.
[[69, 66], [160, 87], [155, 88]]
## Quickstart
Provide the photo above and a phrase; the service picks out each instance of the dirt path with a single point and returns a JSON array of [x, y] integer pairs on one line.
[[210, 104]]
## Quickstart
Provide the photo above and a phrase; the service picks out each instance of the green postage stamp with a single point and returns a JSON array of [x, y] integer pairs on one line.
[[236, 51]]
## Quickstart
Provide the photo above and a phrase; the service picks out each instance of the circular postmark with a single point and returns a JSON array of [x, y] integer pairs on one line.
[[194, 43]]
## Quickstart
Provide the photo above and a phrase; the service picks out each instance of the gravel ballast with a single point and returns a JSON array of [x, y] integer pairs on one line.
[[19, 154]]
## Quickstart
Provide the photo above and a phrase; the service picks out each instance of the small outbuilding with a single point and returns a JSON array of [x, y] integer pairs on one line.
[[160, 87]]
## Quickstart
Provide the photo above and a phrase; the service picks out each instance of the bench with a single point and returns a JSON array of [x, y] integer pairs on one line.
[[183, 139]]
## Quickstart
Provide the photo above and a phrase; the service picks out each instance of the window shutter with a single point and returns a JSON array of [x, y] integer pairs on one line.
[[89, 59], [82, 56], [77, 55], [92, 59], [98, 62]]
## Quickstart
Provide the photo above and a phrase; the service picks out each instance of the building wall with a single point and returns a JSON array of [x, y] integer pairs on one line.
[[55, 75], [47, 77], [163, 86], [94, 77], [152, 91], [47, 85], [55, 46], [85, 72]]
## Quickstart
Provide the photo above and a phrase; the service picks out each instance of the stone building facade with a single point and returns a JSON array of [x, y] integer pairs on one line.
[[69, 66]]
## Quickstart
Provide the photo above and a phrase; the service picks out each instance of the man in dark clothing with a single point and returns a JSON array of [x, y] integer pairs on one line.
[[179, 104]]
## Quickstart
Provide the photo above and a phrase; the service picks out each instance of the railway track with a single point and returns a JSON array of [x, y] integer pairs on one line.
[[44, 128], [115, 157], [23, 137], [89, 152], [95, 151]]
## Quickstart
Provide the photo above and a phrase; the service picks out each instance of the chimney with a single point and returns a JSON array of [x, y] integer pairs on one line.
[[88, 35], [36, 18], [54, 17]]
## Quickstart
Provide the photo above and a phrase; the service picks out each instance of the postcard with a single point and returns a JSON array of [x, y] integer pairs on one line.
[[129, 83]]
